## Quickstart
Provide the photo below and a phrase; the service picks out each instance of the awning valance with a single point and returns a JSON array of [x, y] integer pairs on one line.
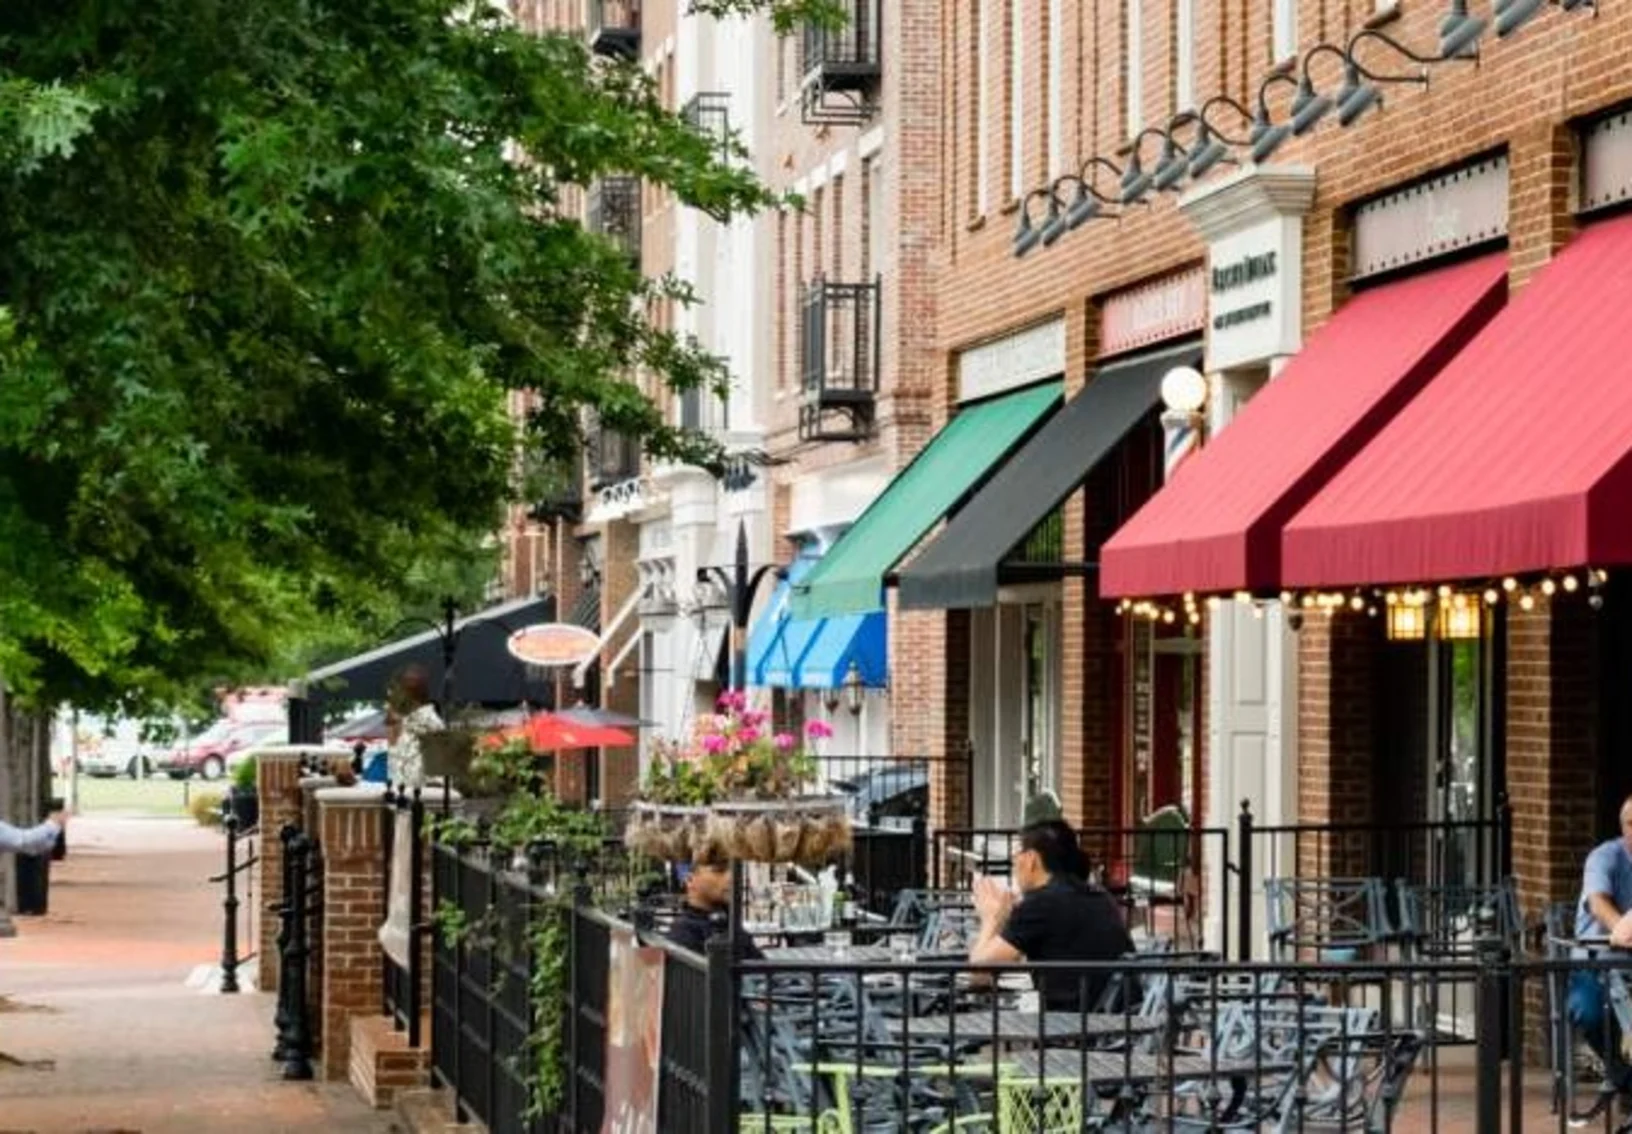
[[1216, 526], [1516, 459], [850, 577], [962, 566]]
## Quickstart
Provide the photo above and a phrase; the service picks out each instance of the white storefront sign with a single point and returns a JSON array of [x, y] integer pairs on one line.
[[1012, 361]]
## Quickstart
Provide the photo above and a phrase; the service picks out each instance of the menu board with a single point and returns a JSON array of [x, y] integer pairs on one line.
[[634, 1035]]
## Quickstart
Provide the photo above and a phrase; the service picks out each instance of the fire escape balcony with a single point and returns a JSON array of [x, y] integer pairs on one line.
[[839, 360], [613, 458], [841, 67], [613, 211], [614, 28]]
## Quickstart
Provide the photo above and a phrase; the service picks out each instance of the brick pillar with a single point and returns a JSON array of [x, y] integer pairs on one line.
[[1336, 746], [353, 893], [620, 767], [1552, 769], [277, 784]]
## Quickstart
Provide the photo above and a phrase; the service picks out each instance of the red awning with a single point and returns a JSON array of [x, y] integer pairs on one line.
[[1517, 458], [1216, 526]]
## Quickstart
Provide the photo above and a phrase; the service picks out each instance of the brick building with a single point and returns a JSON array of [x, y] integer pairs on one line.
[[1369, 246]]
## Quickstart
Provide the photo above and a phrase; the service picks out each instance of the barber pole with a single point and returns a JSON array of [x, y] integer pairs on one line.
[[1182, 434]]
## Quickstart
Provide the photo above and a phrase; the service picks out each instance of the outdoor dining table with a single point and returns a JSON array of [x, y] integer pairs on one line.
[[1013, 1026], [828, 955], [1140, 1075]]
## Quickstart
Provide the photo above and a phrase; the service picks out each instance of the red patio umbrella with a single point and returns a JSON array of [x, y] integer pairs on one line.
[[550, 732]]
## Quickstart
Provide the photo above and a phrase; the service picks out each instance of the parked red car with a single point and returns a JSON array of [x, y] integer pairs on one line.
[[212, 752]]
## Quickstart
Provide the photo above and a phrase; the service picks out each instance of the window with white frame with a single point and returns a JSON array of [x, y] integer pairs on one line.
[[1017, 98], [1056, 77], [983, 106], [1184, 54], [1133, 95], [1284, 29]]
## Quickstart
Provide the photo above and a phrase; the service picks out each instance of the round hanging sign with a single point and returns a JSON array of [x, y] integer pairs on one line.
[[554, 644]]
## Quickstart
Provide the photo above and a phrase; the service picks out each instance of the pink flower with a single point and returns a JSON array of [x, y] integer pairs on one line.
[[818, 730], [784, 741], [752, 718], [714, 743], [748, 735]]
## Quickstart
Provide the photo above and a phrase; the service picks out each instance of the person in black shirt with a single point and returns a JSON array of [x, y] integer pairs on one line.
[[1058, 917], [703, 914]]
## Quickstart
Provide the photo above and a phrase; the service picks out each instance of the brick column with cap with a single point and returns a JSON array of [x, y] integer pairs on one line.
[[277, 786], [351, 821]]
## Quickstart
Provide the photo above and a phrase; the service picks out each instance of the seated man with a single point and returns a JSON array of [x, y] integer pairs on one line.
[[1606, 900], [33, 840], [1058, 917], [704, 912]]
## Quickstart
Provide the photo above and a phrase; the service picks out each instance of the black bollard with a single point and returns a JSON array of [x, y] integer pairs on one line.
[[229, 907], [281, 1019], [297, 1064]]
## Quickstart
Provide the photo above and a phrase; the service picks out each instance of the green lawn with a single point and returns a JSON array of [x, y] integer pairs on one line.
[[159, 796]]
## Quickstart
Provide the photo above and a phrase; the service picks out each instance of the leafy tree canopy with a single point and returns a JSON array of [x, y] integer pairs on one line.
[[268, 271]]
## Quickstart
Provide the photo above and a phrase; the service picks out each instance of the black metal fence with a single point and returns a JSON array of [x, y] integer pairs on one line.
[[241, 861]]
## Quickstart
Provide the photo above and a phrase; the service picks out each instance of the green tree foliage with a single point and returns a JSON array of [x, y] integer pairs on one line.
[[267, 273]]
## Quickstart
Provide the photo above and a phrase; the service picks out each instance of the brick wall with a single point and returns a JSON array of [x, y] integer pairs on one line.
[[353, 893], [1337, 715], [620, 767]]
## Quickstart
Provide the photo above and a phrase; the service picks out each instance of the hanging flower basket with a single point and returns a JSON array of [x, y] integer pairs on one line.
[[666, 831], [737, 791], [809, 830]]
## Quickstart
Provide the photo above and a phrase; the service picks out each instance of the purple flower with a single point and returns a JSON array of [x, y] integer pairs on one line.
[[818, 730]]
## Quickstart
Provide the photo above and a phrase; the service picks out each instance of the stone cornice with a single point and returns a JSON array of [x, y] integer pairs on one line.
[[1253, 194]]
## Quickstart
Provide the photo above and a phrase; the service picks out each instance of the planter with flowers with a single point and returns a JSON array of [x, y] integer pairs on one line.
[[734, 790]]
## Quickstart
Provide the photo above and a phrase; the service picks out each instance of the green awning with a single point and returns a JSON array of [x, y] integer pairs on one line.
[[850, 577]]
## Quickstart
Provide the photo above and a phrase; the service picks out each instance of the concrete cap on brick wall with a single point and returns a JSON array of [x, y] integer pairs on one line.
[[361, 795]]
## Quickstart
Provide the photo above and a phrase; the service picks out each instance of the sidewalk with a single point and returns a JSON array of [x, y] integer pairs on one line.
[[104, 1025]]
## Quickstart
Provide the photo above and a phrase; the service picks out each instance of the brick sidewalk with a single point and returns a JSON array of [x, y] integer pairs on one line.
[[95, 1003]]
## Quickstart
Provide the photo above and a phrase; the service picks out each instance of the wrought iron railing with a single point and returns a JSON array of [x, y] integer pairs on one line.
[[839, 348], [613, 211], [613, 27]]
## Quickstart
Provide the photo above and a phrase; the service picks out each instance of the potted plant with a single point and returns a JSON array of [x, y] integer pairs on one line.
[[737, 790], [242, 800]]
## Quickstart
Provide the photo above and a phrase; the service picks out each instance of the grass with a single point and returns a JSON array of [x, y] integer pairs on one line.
[[159, 796]]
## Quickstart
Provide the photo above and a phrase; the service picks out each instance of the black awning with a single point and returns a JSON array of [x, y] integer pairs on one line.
[[961, 567], [485, 672]]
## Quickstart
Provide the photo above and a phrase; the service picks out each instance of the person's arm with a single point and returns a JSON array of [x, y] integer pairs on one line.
[[29, 840], [1598, 884], [994, 942]]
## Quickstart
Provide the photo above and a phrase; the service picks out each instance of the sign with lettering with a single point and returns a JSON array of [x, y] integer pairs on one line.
[[1455, 210], [1013, 361], [557, 644], [1153, 312], [634, 1035]]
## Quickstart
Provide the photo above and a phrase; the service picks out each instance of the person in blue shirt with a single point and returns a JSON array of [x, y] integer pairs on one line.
[[33, 840], [1606, 896]]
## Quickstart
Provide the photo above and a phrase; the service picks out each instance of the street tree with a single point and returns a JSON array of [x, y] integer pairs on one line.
[[268, 274]]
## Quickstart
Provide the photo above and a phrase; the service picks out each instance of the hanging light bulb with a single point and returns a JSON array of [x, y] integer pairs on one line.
[[1444, 591], [1357, 603], [1510, 584], [1527, 601], [1492, 597], [1548, 587], [1286, 598], [1391, 598], [1371, 612], [1167, 617], [1571, 583], [1214, 602]]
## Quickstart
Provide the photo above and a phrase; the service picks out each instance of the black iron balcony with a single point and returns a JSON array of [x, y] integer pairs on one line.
[[614, 212], [709, 113], [841, 67], [614, 28], [839, 360], [613, 458], [558, 493]]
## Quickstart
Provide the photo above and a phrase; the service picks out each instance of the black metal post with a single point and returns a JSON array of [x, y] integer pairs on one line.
[[741, 582], [1243, 945], [229, 909], [1488, 1027], [297, 1063], [719, 1033], [283, 1017]]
